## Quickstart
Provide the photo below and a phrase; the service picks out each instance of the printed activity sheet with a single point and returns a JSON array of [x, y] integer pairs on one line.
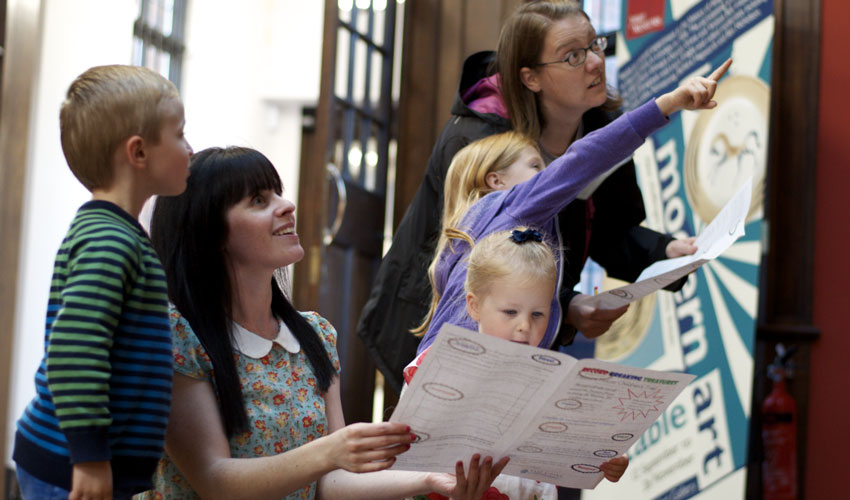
[[719, 235], [557, 418]]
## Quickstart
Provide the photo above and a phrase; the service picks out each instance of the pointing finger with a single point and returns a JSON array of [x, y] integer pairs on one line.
[[719, 72]]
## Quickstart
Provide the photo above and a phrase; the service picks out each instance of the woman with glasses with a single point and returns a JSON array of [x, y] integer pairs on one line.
[[547, 80]]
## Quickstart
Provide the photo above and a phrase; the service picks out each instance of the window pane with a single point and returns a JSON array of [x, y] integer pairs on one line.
[[167, 17], [360, 51], [341, 76]]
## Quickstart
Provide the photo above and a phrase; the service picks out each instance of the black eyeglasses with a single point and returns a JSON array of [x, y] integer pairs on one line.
[[577, 57]]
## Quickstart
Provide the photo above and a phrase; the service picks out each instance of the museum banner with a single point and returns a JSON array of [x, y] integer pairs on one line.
[[687, 171]]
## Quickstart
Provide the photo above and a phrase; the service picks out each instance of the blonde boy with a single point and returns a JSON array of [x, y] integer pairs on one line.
[[96, 426]]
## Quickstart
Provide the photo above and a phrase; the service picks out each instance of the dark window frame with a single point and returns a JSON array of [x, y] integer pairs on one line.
[[172, 44]]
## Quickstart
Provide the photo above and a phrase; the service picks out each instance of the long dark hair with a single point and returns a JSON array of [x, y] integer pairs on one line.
[[189, 233]]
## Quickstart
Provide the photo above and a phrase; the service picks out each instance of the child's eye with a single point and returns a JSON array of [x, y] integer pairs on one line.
[[537, 314], [258, 199], [510, 312]]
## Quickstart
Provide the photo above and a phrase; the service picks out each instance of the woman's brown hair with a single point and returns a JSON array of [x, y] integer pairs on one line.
[[520, 45]]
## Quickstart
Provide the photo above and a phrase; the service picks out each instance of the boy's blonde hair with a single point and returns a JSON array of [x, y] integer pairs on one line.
[[104, 106], [497, 256], [464, 185]]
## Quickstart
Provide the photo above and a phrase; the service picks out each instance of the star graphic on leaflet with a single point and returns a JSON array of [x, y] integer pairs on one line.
[[638, 404]]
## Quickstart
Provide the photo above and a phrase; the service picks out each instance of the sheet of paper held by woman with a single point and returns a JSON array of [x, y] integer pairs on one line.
[[716, 238], [557, 418]]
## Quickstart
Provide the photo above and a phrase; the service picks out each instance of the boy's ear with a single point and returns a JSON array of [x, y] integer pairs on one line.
[[135, 151], [472, 306], [494, 181], [530, 79]]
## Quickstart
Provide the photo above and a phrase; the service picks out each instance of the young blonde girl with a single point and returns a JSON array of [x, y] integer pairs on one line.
[[500, 182], [510, 279], [466, 183]]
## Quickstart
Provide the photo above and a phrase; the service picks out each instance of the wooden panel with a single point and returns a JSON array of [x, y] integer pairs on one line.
[[2, 38], [312, 189], [417, 100], [792, 153], [19, 61], [359, 228], [450, 59], [785, 312], [438, 36], [482, 23]]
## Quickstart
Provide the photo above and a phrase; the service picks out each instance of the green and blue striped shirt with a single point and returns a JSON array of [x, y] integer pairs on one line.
[[103, 389]]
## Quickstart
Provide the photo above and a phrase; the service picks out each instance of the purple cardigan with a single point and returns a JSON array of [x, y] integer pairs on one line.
[[536, 203]]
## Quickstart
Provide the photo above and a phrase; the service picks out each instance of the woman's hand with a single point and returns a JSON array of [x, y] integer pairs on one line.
[[614, 468], [680, 248], [590, 321], [696, 93], [469, 486], [365, 447]]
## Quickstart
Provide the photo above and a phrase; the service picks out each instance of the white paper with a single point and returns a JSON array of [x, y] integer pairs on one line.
[[719, 235], [557, 418]]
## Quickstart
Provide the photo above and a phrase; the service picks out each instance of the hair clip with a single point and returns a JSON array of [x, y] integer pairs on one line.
[[520, 237]]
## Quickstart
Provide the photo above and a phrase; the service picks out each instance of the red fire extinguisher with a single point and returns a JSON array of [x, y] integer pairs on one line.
[[779, 432]]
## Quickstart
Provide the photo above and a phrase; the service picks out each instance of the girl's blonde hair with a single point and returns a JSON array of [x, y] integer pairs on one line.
[[465, 184], [498, 255]]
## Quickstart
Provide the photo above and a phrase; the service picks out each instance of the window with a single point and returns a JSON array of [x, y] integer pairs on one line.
[[158, 41]]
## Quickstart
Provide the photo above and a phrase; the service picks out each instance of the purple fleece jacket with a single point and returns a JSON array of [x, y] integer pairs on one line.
[[536, 203]]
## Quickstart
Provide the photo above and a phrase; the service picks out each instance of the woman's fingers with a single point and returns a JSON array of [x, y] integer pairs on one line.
[[362, 436], [369, 447], [365, 430]]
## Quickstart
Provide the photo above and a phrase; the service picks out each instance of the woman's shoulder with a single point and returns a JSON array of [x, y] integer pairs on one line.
[[320, 324], [190, 357]]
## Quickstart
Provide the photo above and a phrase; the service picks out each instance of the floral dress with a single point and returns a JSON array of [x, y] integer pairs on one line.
[[284, 406], [504, 487]]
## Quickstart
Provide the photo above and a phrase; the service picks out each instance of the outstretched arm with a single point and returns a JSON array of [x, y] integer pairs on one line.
[[696, 93]]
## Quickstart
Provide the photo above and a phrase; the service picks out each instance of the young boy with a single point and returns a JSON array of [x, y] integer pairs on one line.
[[96, 426]]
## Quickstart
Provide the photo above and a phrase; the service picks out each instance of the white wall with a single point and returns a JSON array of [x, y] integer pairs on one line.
[[252, 97], [52, 193], [249, 68]]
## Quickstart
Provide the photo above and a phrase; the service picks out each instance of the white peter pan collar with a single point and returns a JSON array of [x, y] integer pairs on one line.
[[252, 345]]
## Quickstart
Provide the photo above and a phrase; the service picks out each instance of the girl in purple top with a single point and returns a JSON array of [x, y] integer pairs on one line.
[[526, 194]]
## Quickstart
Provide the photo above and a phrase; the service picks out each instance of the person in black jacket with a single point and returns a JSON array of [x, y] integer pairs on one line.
[[550, 85]]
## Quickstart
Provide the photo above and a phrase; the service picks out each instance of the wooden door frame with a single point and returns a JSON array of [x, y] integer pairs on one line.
[[787, 283], [312, 188], [20, 61]]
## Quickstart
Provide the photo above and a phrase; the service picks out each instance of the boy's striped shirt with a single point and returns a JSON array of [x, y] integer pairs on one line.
[[103, 389]]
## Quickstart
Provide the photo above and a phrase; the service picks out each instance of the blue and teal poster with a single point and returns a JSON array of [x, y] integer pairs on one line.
[[687, 172]]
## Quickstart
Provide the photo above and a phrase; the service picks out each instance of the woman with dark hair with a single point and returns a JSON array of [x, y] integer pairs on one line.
[[256, 409], [547, 81]]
